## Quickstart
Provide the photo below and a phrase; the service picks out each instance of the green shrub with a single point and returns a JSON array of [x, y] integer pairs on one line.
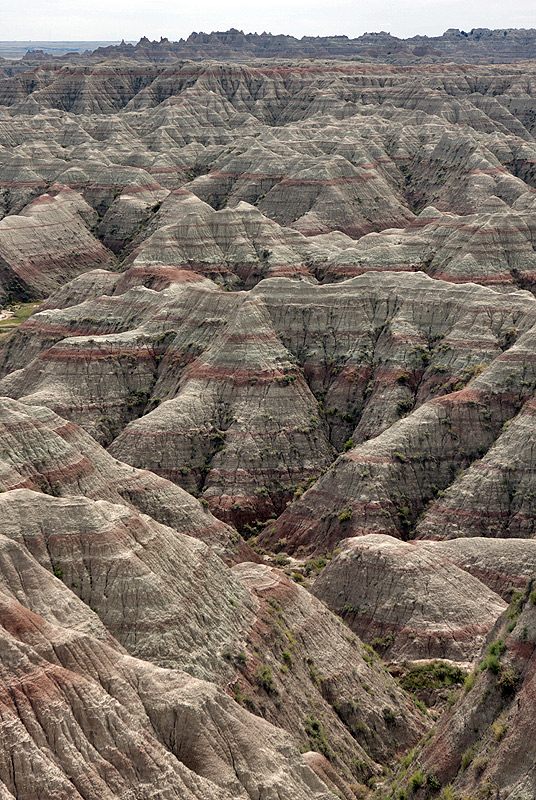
[[282, 560], [345, 515], [507, 682], [497, 648], [265, 679], [480, 764], [433, 782], [435, 675], [315, 565], [469, 681], [467, 758], [404, 407], [499, 730], [317, 736], [416, 780], [492, 663]]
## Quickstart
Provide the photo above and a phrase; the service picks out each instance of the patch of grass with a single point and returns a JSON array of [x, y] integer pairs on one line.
[[416, 780], [287, 658], [469, 682], [499, 730], [346, 514], [433, 782], [21, 312], [381, 644], [480, 764], [315, 565], [281, 560], [513, 611], [435, 675], [467, 758], [492, 663], [265, 679], [404, 407], [507, 682], [317, 736], [497, 647]]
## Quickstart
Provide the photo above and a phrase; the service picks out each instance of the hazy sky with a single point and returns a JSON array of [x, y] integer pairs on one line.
[[131, 19]]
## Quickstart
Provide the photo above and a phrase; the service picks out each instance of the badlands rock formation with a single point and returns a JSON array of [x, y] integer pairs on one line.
[[43, 452], [243, 397], [81, 719], [411, 601], [283, 372], [483, 744], [474, 46], [48, 243], [169, 598]]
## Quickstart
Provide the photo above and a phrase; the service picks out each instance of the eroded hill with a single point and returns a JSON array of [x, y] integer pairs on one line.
[[283, 373]]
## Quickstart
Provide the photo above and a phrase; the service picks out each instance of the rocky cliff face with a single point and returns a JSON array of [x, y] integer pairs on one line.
[[483, 744], [169, 599], [444, 154], [479, 45], [410, 601], [286, 381], [82, 719]]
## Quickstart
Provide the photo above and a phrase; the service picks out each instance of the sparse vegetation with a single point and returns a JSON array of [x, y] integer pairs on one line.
[[317, 736], [416, 780], [20, 313], [264, 678], [433, 675], [346, 514], [467, 758]]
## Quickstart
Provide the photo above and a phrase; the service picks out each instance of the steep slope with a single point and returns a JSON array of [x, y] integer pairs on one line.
[[158, 592], [130, 570], [500, 499], [411, 602], [82, 720], [46, 244], [386, 483], [296, 290], [270, 644], [505, 565], [483, 745], [242, 397], [324, 148], [43, 452], [236, 246], [493, 247]]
